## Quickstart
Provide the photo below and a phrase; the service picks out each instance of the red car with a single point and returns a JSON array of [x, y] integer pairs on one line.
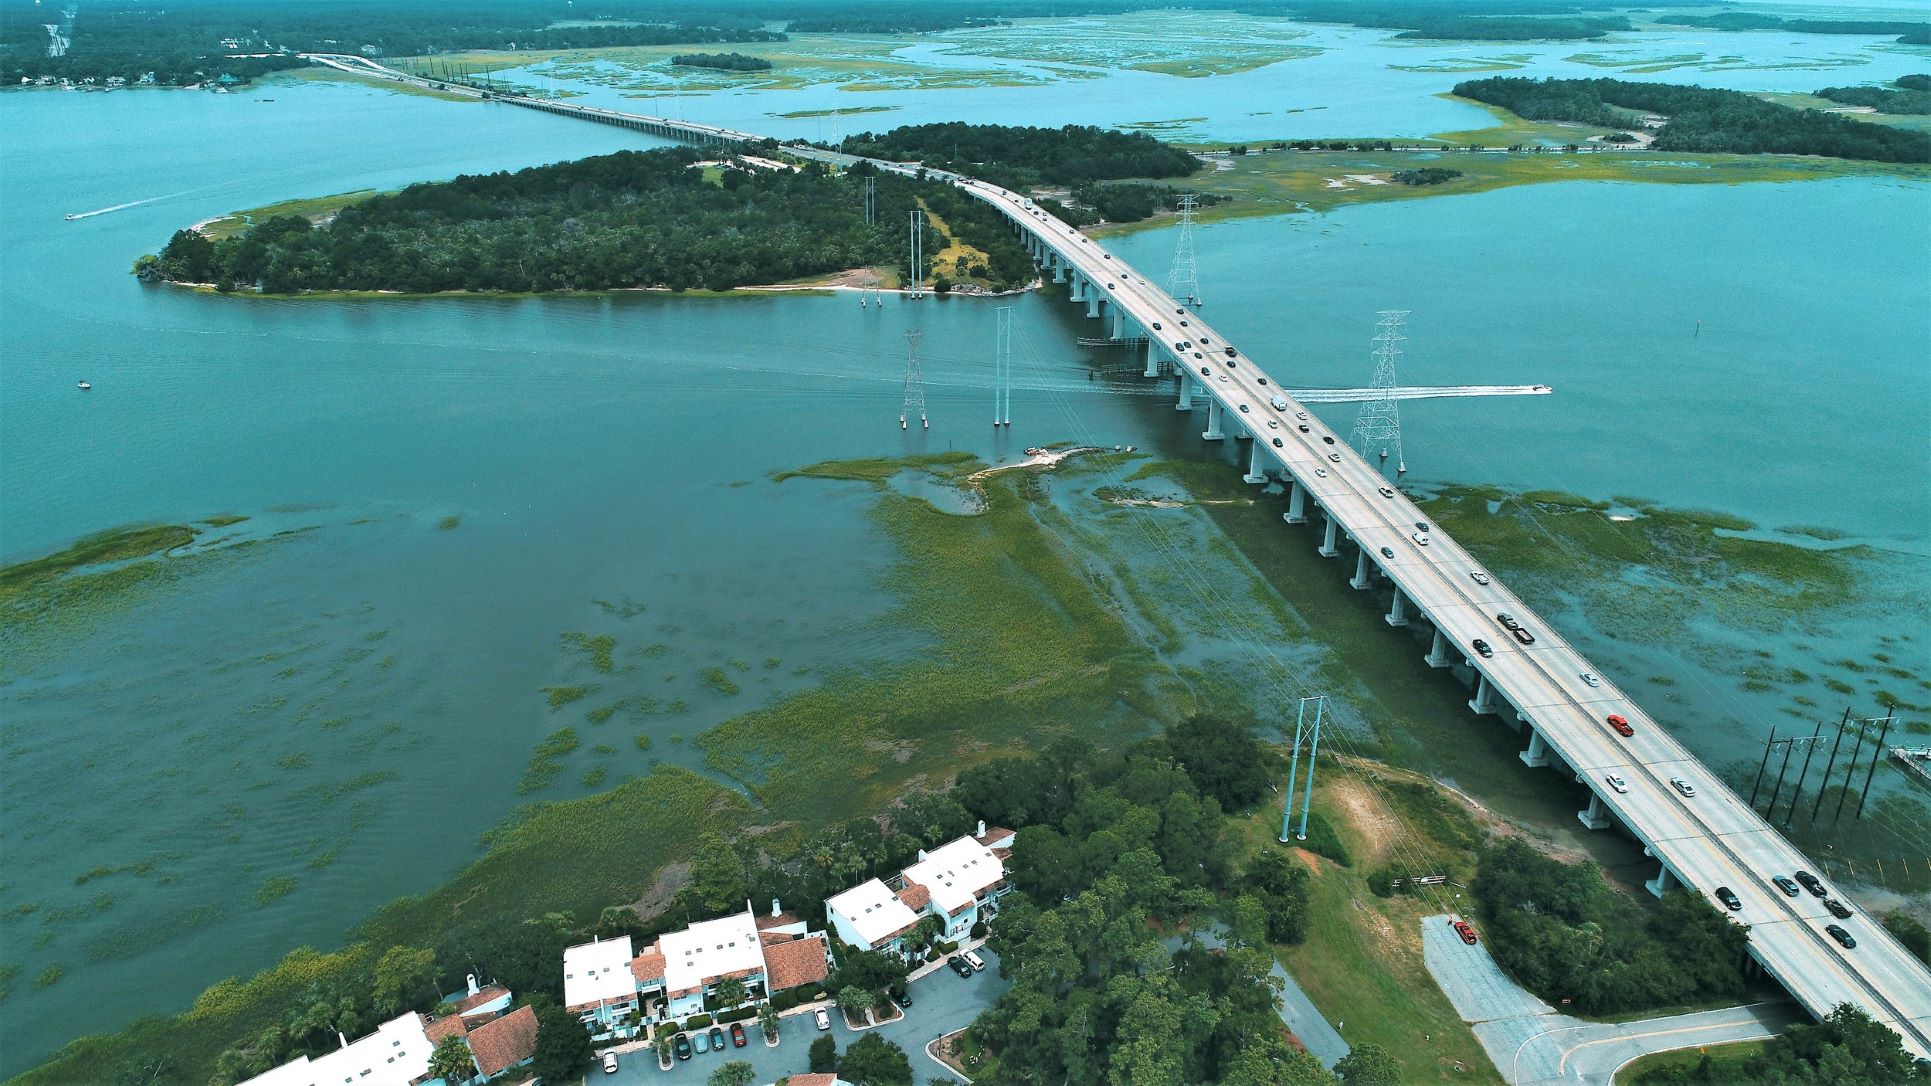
[[1462, 929], [1622, 726], [737, 1035]]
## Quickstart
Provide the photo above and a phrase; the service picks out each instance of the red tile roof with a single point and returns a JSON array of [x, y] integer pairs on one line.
[[778, 921], [449, 1025], [505, 1042], [487, 995], [915, 896], [648, 966], [800, 961]]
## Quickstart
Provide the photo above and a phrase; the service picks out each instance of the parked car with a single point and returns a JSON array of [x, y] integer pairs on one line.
[[1837, 908], [1463, 929], [737, 1035], [1683, 786], [959, 966], [1783, 883], [1616, 781], [975, 961], [821, 1019], [1810, 882], [902, 997], [1729, 898], [717, 1038], [1481, 648], [1622, 727], [699, 1042], [1843, 937], [609, 1062], [683, 1047]]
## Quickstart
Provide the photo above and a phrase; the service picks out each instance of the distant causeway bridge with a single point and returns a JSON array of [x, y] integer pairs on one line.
[[1703, 841]]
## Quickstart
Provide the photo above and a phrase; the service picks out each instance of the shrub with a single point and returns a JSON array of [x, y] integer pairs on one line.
[[979, 929], [946, 947], [697, 1021], [738, 1015]]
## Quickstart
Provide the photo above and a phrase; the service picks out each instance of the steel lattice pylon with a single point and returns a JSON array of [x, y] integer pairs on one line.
[[915, 259], [1377, 429], [914, 384], [1183, 279]]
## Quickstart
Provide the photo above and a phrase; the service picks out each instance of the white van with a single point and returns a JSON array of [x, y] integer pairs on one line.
[[1279, 402], [977, 963]]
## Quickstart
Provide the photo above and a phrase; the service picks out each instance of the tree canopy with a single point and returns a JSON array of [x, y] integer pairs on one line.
[[1017, 156]]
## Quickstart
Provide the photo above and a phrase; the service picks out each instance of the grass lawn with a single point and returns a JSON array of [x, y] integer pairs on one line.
[[1722, 1057]]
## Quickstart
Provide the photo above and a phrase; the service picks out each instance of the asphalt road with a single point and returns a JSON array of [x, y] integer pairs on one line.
[[1531, 1042]]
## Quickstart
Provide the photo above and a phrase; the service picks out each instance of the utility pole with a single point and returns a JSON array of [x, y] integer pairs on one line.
[[1810, 751], [1877, 755], [871, 200], [1183, 278], [1830, 765], [1850, 772], [1778, 791], [1002, 368], [1378, 426], [914, 385], [916, 238], [1294, 764], [1766, 762], [1313, 755]]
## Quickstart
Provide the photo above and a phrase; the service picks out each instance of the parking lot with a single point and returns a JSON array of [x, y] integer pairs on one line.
[[941, 1002]]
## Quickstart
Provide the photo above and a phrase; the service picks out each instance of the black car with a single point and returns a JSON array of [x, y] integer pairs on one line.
[[901, 997], [1327, 439], [1260, 380], [1783, 883], [1420, 527], [1481, 648], [683, 1047], [1729, 898], [1278, 443], [1231, 352], [1811, 883], [1837, 908], [1302, 427], [1156, 326], [959, 966], [1243, 409], [1843, 937], [1206, 371], [717, 1038], [1387, 552]]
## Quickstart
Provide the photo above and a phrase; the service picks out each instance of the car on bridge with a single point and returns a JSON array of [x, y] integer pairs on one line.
[[1508, 623], [1616, 781], [1387, 552], [1811, 883], [1481, 648], [1837, 908], [1843, 937], [1683, 786], [1243, 409], [1729, 899], [1782, 882], [1302, 427], [1616, 721], [1386, 492], [1279, 444], [1478, 576], [1589, 679], [1420, 539], [1206, 371], [1466, 932]]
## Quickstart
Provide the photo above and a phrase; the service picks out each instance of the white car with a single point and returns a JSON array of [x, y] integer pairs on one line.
[[609, 1063], [821, 1018], [1589, 679], [1479, 576], [1616, 781], [1683, 786]]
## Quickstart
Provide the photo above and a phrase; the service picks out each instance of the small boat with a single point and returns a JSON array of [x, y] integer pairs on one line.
[[83, 386], [71, 218]]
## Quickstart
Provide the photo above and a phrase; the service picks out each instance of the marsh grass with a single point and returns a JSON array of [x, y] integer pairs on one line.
[[547, 761], [716, 679], [560, 696], [600, 648], [273, 889]]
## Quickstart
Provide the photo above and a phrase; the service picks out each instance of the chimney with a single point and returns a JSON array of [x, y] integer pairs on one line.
[[921, 854], [339, 1037], [775, 911], [473, 989], [982, 829]]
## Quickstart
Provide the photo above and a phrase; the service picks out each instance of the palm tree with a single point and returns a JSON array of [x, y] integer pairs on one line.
[[768, 1021], [855, 1000], [729, 992]]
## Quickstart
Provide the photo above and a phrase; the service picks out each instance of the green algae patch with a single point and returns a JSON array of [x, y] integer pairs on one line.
[[716, 679], [103, 548], [560, 696], [273, 889], [878, 469], [600, 648], [547, 761]]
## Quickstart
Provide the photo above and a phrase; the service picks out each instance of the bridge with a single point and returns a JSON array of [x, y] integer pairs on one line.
[[1702, 836]]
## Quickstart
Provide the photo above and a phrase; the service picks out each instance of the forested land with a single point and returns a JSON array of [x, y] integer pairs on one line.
[[1910, 32], [185, 42], [1847, 1048], [1020, 157], [1122, 202], [729, 62], [1701, 119], [1565, 934], [630, 219], [1909, 94]]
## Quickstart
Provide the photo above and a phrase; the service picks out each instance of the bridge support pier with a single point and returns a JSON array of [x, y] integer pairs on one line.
[[1153, 361], [1186, 393], [1059, 268], [1296, 503], [1256, 465], [1438, 652], [1327, 548], [1362, 568], [1663, 883], [1076, 287], [1484, 699], [1092, 300], [1212, 433], [1119, 323], [1537, 755], [1398, 613], [1595, 816]]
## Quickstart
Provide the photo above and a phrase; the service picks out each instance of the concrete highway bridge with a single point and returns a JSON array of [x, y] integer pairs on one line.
[[1543, 688]]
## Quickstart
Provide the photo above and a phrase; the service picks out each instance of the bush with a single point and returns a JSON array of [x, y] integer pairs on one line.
[[979, 929], [1323, 841], [739, 1014], [787, 999], [697, 1021], [946, 947], [1382, 883]]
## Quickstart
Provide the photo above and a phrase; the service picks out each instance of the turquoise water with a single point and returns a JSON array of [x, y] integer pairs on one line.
[[463, 481]]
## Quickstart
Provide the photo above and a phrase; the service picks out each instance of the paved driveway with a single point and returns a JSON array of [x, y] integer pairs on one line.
[[1531, 1043], [941, 1002]]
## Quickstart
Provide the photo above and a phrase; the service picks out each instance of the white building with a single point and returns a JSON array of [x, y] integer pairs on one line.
[[598, 986], [958, 882], [870, 916], [396, 1054], [699, 957]]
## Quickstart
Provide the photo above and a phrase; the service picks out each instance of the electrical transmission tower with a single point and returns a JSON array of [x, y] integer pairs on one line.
[[914, 385], [1183, 279], [916, 236], [1002, 369], [1378, 427], [871, 200]]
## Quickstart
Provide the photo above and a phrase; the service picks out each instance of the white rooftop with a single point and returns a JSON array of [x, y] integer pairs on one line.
[[956, 872], [593, 972], [710, 949], [873, 911], [396, 1053]]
